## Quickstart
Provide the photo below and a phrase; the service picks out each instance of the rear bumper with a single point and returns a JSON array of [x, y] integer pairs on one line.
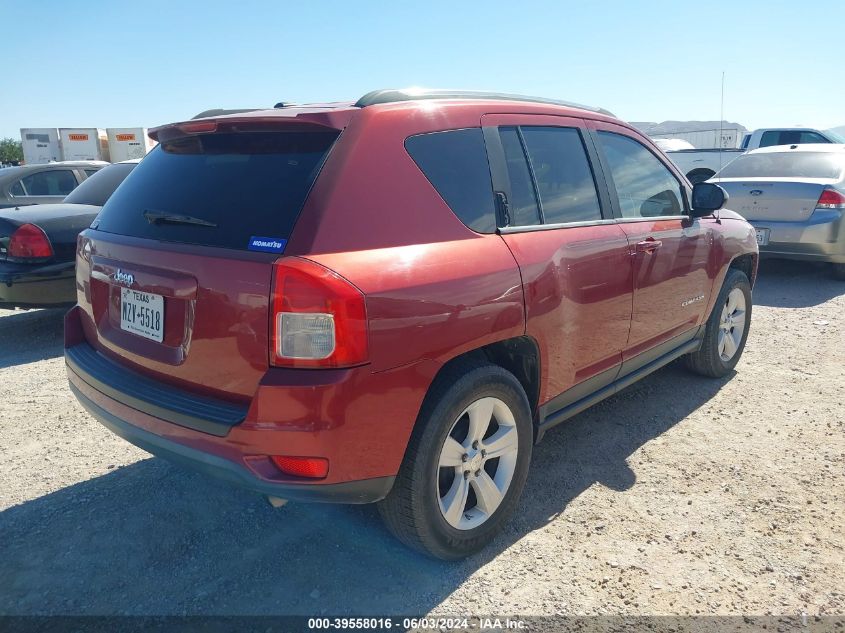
[[819, 238], [358, 420], [362, 491], [26, 286]]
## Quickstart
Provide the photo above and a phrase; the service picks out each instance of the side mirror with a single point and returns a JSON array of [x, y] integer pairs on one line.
[[707, 197]]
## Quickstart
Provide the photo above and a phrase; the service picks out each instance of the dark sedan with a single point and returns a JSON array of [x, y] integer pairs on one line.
[[38, 242]]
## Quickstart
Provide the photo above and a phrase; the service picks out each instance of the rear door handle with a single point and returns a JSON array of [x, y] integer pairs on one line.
[[648, 245]]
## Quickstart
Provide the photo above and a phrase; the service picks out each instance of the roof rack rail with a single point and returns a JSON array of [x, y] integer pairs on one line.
[[394, 95], [221, 112]]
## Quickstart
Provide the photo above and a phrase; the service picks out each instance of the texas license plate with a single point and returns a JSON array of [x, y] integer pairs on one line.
[[142, 313], [762, 236]]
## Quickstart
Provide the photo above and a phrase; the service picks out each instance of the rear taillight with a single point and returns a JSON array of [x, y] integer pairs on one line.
[[831, 199], [312, 467], [319, 319], [29, 242]]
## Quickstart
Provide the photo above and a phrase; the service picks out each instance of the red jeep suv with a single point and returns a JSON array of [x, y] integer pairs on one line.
[[392, 300]]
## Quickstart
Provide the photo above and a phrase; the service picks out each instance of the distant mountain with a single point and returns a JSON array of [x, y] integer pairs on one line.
[[839, 130], [684, 127]]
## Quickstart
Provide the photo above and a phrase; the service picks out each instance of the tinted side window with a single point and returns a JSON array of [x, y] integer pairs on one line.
[[17, 189], [523, 203], [455, 162], [770, 138], [645, 187], [57, 182], [812, 137], [100, 185], [564, 180], [91, 172]]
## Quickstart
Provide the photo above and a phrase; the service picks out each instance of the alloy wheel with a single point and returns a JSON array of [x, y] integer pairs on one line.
[[477, 463], [731, 324]]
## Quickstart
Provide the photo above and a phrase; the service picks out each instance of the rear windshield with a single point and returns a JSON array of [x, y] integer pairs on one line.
[[786, 165], [219, 189], [100, 185]]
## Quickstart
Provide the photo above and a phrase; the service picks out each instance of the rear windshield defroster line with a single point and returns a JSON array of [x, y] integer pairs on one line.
[[238, 184]]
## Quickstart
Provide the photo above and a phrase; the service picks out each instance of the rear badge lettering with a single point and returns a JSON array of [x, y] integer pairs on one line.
[[123, 278], [684, 304], [267, 244]]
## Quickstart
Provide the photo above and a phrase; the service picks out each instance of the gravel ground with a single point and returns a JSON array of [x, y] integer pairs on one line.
[[681, 495]]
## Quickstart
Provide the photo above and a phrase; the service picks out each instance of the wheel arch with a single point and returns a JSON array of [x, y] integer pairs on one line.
[[747, 263], [519, 355]]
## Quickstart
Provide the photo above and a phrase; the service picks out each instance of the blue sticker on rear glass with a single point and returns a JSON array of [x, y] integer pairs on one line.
[[267, 244]]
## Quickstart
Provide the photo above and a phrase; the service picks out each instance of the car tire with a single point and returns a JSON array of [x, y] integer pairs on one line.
[[724, 341], [439, 509], [838, 271]]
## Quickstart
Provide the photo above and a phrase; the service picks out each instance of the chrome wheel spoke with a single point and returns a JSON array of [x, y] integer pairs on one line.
[[732, 325], [453, 504], [480, 413], [487, 492], [502, 442], [730, 345], [452, 454]]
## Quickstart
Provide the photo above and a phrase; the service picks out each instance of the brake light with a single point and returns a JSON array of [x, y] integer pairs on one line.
[[199, 127], [319, 319], [29, 242], [831, 199], [312, 467]]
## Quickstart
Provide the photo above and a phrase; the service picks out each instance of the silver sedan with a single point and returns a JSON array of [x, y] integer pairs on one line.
[[794, 196], [43, 184]]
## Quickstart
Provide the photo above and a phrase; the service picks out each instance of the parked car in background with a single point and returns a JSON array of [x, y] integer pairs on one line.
[[38, 242], [43, 184], [702, 164], [392, 300], [768, 137], [794, 196]]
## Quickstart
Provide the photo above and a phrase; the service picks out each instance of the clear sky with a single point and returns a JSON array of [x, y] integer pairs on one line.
[[119, 63]]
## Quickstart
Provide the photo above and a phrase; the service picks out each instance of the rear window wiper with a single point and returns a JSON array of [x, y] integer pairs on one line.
[[160, 217]]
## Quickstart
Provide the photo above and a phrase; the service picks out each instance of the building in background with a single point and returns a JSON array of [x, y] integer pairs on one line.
[[701, 134]]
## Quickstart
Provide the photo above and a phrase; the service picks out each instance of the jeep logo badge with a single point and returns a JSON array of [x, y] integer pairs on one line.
[[127, 279]]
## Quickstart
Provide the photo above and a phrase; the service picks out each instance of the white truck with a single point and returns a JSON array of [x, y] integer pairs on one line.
[[701, 164]]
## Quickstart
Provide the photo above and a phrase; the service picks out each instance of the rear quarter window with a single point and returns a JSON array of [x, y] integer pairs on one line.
[[239, 184], [455, 163], [100, 185]]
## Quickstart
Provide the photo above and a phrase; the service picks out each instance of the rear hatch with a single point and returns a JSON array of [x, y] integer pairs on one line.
[[779, 186], [177, 269]]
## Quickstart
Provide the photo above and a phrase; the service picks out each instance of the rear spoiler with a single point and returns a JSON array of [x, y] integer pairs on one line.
[[221, 112], [253, 121]]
